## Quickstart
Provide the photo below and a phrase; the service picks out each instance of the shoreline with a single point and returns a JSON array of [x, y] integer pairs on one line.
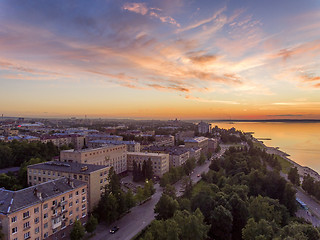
[[302, 170]]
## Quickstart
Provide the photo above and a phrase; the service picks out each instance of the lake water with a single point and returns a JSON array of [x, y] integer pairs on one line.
[[300, 140]]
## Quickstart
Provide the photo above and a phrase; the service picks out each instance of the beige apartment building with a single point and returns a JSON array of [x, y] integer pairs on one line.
[[43, 211], [96, 176], [110, 155], [160, 161], [60, 140], [197, 142]]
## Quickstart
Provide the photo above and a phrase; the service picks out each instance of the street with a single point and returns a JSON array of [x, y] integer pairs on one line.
[[142, 215]]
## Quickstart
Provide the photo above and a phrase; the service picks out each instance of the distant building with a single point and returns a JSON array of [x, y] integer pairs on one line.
[[100, 136], [204, 127], [94, 175], [132, 146], [163, 140], [111, 156], [212, 144], [59, 140], [184, 135], [43, 211], [160, 162]]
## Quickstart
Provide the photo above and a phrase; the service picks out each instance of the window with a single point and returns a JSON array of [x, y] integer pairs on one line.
[[63, 198], [26, 235], [101, 181], [36, 220], [70, 204], [77, 217], [83, 214], [45, 206], [80, 177], [55, 211], [14, 230], [83, 199], [39, 179], [44, 172], [26, 214], [54, 202], [36, 210], [45, 215], [77, 193], [44, 179], [70, 195], [46, 235], [77, 201], [71, 221], [75, 176], [63, 208], [26, 225], [45, 225], [70, 213], [77, 209], [36, 230], [63, 225], [14, 219], [37, 238], [49, 173], [83, 206], [29, 177]]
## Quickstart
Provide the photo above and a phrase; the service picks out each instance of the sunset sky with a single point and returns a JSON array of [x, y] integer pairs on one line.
[[161, 59]]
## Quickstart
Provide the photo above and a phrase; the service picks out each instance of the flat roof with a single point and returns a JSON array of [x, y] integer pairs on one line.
[[70, 167], [92, 149], [147, 154]]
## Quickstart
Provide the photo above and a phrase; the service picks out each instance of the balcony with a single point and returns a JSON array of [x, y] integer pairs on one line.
[[56, 224], [63, 202]]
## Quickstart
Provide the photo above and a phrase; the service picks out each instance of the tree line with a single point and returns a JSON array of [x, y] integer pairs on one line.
[[237, 199]]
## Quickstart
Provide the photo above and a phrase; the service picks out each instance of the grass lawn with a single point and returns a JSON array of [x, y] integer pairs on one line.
[[285, 165]]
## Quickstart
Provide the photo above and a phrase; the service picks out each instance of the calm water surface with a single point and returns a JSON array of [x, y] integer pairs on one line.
[[300, 140]]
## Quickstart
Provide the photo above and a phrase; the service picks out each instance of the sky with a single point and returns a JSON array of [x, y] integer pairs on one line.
[[160, 59]]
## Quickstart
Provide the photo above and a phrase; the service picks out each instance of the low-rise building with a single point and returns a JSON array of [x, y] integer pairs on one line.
[[43, 211], [99, 136], [132, 146], [110, 155], [163, 140], [197, 142], [96, 176], [160, 161], [177, 155], [212, 144], [184, 135]]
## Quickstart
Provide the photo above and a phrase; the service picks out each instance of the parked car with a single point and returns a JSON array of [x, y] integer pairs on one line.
[[114, 229]]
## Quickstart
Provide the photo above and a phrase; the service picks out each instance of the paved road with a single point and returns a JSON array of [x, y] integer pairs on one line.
[[141, 216]]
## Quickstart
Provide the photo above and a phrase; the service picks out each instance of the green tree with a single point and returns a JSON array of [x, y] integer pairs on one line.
[[294, 176], [130, 201], [258, 230], [114, 185], [107, 208], [139, 195], [1, 234], [91, 224], [77, 231], [308, 184], [149, 169], [170, 190], [22, 175], [166, 207], [221, 223]]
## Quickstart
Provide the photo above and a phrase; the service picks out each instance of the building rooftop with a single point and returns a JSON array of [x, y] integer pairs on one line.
[[115, 142], [146, 154], [91, 149], [169, 150], [12, 201], [70, 167], [196, 139]]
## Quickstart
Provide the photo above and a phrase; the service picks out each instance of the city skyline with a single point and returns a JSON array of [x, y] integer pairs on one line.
[[160, 59]]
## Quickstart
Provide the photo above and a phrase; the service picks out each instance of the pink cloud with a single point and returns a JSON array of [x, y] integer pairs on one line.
[[140, 8]]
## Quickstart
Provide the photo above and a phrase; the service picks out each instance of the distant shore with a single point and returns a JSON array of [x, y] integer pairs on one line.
[[302, 170]]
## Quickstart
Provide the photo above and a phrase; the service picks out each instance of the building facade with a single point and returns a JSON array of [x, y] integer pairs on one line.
[[132, 146], [204, 127], [197, 142], [96, 176], [44, 211], [110, 155], [160, 161]]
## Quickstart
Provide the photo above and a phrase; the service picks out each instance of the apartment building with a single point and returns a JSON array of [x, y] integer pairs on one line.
[[197, 142], [177, 155], [43, 211], [204, 127], [132, 146], [164, 140], [160, 161], [99, 136], [184, 135], [60, 140], [96, 176], [110, 155]]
